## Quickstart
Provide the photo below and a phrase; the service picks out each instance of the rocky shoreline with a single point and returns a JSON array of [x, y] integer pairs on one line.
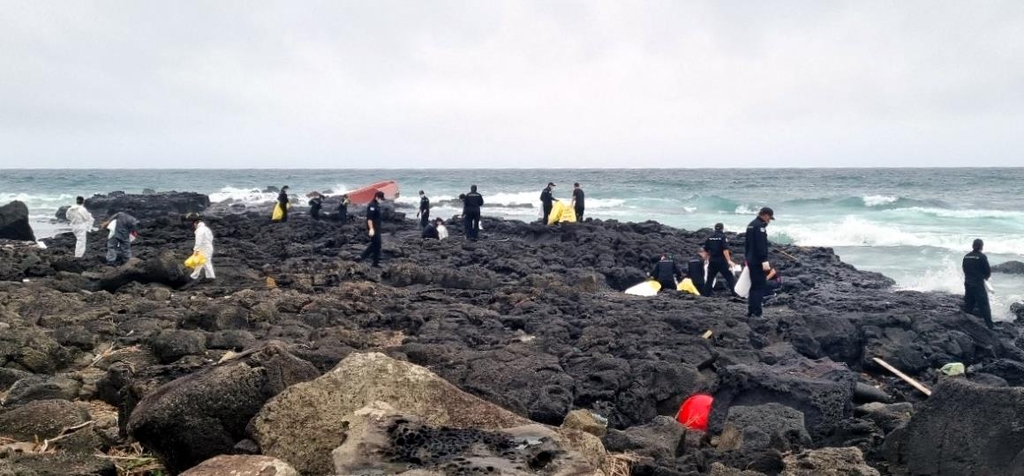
[[457, 357]]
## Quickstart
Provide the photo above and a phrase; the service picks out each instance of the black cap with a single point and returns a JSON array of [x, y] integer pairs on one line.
[[379, 194], [551, 184], [978, 245], [577, 184], [421, 192], [767, 211], [719, 227]]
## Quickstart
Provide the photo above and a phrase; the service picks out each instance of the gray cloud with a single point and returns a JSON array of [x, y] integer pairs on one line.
[[511, 84]]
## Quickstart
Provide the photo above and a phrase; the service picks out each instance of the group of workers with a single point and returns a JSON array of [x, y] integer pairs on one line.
[[716, 257], [715, 254], [547, 201], [122, 230]]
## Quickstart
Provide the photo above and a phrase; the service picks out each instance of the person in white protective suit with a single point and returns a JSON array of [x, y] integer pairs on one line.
[[204, 245], [81, 222]]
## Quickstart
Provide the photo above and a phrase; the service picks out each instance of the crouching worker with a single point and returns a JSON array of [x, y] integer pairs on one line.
[[666, 272], [204, 245], [123, 230], [430, 232], [695, 271]]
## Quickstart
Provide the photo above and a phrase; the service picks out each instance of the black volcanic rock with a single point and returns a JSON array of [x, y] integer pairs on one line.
[[147, 206], [14, 223], [1009, 267]]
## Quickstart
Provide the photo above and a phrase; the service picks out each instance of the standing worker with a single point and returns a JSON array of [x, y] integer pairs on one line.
[[577, 201], [424, 213], [976, 271], [119, 241], [547, 201], [282, 201], [375, 231], [315, 204], [81, 221], [204, 245], [757, 259], [719, 260], [471, 213], [343, 209], [666, 272]]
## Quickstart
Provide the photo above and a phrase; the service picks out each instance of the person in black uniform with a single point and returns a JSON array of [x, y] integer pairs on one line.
[[430, 232], [343, 209], [373, 223], [424, 212], [547, 201], [757, 259], [695, 270], [577, 201], [976, 271], [282, 199], [666, 272], [719, 260], [471, 213], [315, 204]]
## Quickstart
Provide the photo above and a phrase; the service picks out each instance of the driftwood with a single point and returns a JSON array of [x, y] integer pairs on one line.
[[905, 377]]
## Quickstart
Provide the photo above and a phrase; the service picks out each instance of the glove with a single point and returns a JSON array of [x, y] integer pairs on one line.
[[765, 266], [372, 232]]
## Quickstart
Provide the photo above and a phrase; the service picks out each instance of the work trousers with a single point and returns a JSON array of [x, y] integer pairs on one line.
[[373, 249], [976, 302], [716, 268], [118, 251], [758, 288], [472, 224], [81, 234]]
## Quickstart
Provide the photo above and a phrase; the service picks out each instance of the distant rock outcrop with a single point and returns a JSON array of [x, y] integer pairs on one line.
[[14, 223]]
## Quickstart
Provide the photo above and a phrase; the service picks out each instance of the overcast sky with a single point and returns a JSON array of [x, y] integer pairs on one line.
[[511, 84]]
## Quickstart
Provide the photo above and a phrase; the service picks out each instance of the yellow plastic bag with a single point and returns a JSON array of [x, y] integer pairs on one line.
[[687, 287], [561, 212], [196, 260], [278, 213]]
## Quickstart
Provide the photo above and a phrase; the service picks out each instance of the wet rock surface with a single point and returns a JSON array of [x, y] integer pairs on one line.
[[530, 319]]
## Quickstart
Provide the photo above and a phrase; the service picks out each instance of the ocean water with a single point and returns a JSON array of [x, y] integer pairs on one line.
[[913, 225]]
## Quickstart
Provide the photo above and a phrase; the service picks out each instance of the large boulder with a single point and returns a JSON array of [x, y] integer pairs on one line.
[[380, 441], [14, 223], [147, 206], [205, 414], [307, 421], [42, 387], [821, 390], [660, 439], [963, 429], [242, 465], [41, 419], [828, 462], [762, 427], [165, 268]]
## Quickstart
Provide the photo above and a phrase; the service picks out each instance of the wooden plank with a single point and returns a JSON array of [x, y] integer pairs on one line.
[[707, 335], [905, 377]]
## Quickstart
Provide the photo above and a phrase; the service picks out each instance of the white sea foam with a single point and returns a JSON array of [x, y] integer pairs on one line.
[[746, 210], [243, 195], [946, 213], [878, 200], [856, 231]]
